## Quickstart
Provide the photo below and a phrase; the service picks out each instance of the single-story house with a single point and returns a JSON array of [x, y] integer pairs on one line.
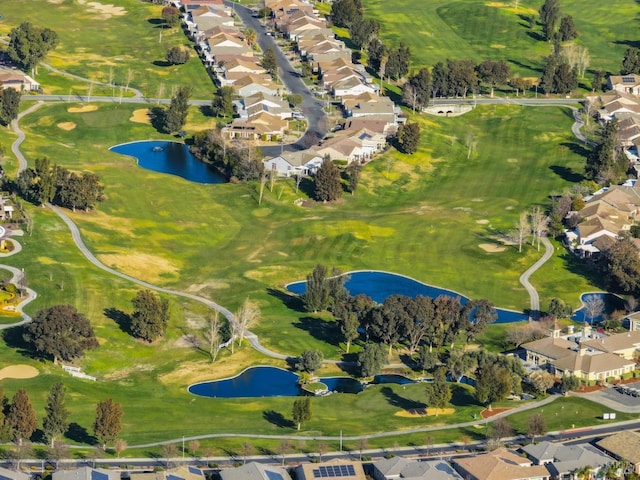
[[624, 83], [563, 460], [268, 104], [7, 474], [255, 471], [12, 78], [340, 148], [338, 468], [251, 84], [86, 473], [396, 468], [501, 464], [353, 84], [259, 127], [624, 445], [179, 473], [288, 164]]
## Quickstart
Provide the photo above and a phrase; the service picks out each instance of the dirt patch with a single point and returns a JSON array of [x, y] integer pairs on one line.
[[494, 411], [67, 126], [592, 388], [211, 285], [83, 109], [142, 115], [483, 221], [491, 248], [19, 371], [424, 412], [103, 11], [141, 265]]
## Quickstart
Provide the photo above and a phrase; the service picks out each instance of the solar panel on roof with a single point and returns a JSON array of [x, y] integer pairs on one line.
[[195, 471], [95, 475], [628, 79], [333, 471], [2, 477], [174, 477]]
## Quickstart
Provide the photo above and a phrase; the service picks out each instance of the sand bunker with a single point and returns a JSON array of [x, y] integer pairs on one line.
[[85, 108], [424, 412], [491, 248], [104, 11], [482, 221], [18, 371], [140, 116], [67, 126]]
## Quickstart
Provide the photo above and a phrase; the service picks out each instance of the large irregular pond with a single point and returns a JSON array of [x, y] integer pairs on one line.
[[255, 382], [380, 285], [172, 158]]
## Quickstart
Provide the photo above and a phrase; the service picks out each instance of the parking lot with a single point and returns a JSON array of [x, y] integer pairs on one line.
[[627, 394]]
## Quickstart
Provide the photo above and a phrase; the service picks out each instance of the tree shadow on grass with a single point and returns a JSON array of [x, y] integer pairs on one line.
[[577, 148], [161, 63], [122, 319], [584, 269], [396, 400], [157, 116], [461, 396], [320, 329], [289, 300], [567, 173], [14, 338], [628, 43], [79, 434], [277, 419]]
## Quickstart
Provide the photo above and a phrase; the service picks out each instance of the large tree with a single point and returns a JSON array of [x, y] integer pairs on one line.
[[631, 61], [29, 45], [9, 105], [371, 359], [567, 29], [621, 266], [398, 63], [327, 182], [345, 12], [493, 73], [301, 411], [150, 315], [388, 321], [438, 392], [56, 420], [550, 16], [171, 16], [408, 137], [316, 295], [310, 361], [175, 116], [178, 55], [607, 163], [108, 421], [21, 417], [60, 332], [494, 383], [417, 90], [363, 31], [269, 61]]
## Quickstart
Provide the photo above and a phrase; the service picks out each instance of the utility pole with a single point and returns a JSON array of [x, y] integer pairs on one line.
[[341, 440], [183, 449]]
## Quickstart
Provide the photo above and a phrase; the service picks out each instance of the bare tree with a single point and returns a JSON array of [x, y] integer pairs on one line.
[[263, 182], [194, 447], [120, 446], [593, 306], [247, 450], [212, 335], [248, 314], [129, 79], [362, 445], [169, 451], [322, 449], [284, 448], [522, 229], [538, 225], [272, 179], [472, 142], [298, 180], [111, 81], [160, 91]]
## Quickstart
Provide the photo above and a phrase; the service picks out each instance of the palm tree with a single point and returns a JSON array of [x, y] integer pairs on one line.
[[582, 473], [250, 36]]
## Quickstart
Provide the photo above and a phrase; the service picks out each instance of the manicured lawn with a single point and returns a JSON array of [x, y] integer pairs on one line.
[[475, 29], [125, 42]]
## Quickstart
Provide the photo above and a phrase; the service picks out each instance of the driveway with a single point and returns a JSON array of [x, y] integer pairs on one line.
[[311, 106]]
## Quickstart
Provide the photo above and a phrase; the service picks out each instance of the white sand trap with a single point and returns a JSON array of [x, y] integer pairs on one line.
[[67, 126], [140, 116], [19, 371], [482, 221], [105, 11], [85, 108], [491, 248]]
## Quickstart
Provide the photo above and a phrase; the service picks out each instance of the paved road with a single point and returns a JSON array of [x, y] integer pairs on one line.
[[311, 106]]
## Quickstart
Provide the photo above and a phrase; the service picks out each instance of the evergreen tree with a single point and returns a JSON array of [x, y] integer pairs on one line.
[[567, 29], [150, 315], [176, 115], [493, 73], [398, 64], [438, 393], [631, 61], [408, 137], [363, 31], [222, 104], [344, 13], [316, 295], [55, 423], [29, 45], [178, 55], [21, 418], [417, 90], [353, 176], [440, 80], [327, 182], [269, 61], [310, 361], [302, 410], [9, 105], [108, 421], [549, 16], [371, 359], [606, 163]]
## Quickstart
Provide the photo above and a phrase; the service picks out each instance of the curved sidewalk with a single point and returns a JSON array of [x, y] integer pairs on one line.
[[534, 313]]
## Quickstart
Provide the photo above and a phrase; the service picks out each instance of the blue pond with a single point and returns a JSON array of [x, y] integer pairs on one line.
[[170, 157], [611, 303], [380, 285], [257, 382]]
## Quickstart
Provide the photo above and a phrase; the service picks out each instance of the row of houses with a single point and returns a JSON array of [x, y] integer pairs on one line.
[[536, 461]]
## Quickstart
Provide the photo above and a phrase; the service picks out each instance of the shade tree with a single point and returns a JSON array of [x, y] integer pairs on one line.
[[438, 392], [301, 411], [21, 417], [328, 184], [371, 359], [310, 361], [56, 420], [29, 45], [150, 315], [108, 421]]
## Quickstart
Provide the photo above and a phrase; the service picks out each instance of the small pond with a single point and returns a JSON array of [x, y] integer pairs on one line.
[[611, 303], [172, 158], [257, 382], [380, 285]]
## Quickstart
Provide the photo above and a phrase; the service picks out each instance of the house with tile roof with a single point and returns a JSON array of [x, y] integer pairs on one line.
[[562, 460], [625, 345], [337, 469], [12, 78], [290, 164], [255, 471], [340, 148], [88, 473], [629, 83], [500, 464], [396, 468], [250, 84], [624, 445]]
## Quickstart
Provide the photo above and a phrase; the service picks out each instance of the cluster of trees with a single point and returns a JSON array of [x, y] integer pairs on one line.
[[571, 200], [620, 266], [457, 77], [18, 420], [558, 75], [328, 181], [9, 105], [555, 26], [364, 32], [51, 183], [607, 163], [236, 162], [631, 61], [29, 45]]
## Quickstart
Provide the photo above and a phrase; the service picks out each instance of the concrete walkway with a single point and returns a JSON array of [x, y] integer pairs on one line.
[[524, 279]]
